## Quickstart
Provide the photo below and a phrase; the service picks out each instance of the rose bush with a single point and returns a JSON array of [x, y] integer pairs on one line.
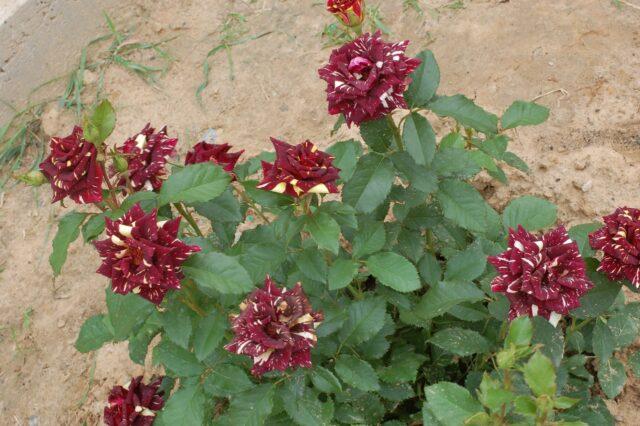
[[374, 285]]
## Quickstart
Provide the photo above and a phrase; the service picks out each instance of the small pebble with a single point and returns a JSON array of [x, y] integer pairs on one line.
[[587, 186], [581, 164], [61, 323], [34, 421]]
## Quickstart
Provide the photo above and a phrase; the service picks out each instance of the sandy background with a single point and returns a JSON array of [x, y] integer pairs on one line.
[[586, 158]]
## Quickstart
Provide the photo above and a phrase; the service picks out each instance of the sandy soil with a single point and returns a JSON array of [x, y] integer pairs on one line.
[[585, 159]]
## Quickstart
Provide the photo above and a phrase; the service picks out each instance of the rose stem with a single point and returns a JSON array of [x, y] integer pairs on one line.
[[396, 132], [183, 211]]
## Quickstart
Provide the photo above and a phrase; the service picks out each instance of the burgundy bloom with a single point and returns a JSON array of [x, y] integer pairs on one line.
[[203, 152], [142, 255], [277, 327], [299, 170], [350, 12], [72, 169], [367, 77], [619, 239], [541, 275], [146, 154], [134, 404]]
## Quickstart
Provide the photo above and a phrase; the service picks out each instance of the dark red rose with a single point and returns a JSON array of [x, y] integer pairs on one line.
[[72, 169], [134, 404], [619, 239], [203, 152], [142, 255], [146, 154], [350, 12], [366, 78], [299, 170], [276, 327], [543, 276]]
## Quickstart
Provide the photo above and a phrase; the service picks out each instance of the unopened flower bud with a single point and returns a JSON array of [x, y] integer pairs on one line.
[[33, 178], [349, 12], [120, 164]]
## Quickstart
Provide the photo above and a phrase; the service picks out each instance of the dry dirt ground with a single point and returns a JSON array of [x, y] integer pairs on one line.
[[586, 158]]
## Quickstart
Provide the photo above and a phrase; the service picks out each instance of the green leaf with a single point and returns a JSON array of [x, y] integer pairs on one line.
[[303, 405], [526, 406], [580, 234], [551, 338], [371, 238], [455, 163], [139, 342], [450, 403], [429, 269], [377, 134], [600, 298], [444, 295], [524, 114], [325, 381], [494, 147], [424, 80], [467, 113], [346, 155], [370, 184], [93, 227], [224, 208], [624, 328], [462, 204], [226, 380], [324, 230], [419, 138], [420, 177], [311, 265], [366, 318], [357, 373], [185, 407], [341, 273], [93, 334], [249, 408], [99, 126], [403, 367], [460, 341], [125, 312], [520, 332], [466, 265], [394, 271], [564, 402], [209, 334], [493, 395], [176, 359], [602, 341], [176, 322], [68, 231], [530, 212], [612, 377], [194, 183], [514, 161], [540, 375], [218, 272]]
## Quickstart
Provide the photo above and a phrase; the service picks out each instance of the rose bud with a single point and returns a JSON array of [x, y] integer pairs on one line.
[[299, 170], [120, 164], [349, 12], [366, 79], [147, 154], [33, 178], [134, 404], [72, 169], [543, 276], [203, 152], [276, 327], [142, 255], [619, 240]]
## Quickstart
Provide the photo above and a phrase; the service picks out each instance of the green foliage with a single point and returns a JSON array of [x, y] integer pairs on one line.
[[397, 264]]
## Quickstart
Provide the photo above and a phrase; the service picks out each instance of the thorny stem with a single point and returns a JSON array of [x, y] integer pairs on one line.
[[112, 191], [185, 213], [250, 203], [396, 133]]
